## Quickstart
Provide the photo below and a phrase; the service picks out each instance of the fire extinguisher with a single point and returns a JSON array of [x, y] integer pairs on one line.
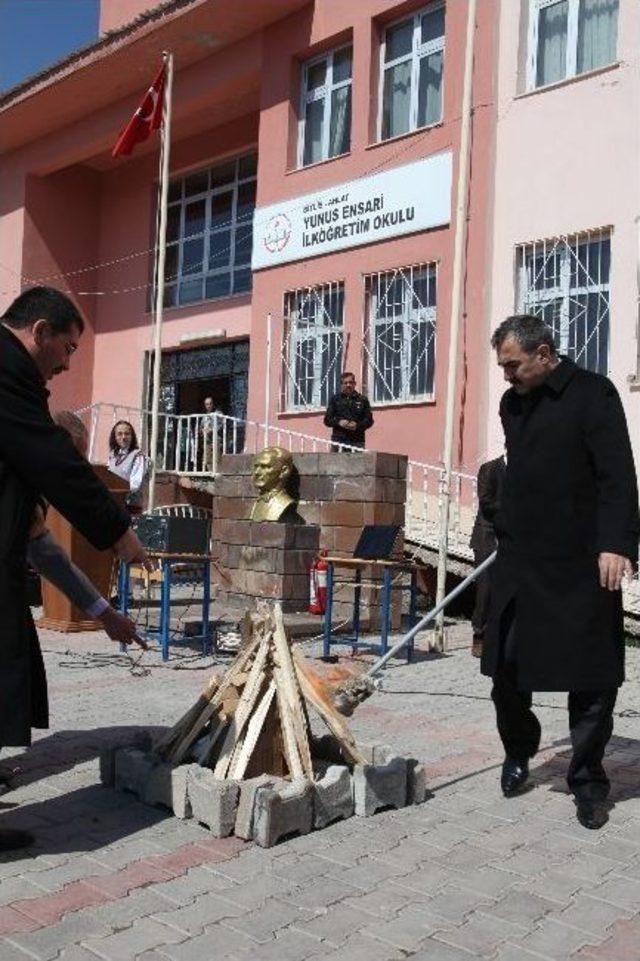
[[318, 585]]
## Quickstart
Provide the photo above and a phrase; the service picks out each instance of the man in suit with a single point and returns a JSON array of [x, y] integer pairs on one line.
[[483, 542], [568, 530], [39, 333]]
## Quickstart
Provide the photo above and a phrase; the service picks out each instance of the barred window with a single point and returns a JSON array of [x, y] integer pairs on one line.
[[411, 70], [313, 345], [566, 282], [400, 318], [569, 37], [325, 120], [210, 232]]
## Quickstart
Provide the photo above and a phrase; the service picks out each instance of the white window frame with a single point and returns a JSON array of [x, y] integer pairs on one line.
[[372, 323], [531, 299], [418, 51], [324, 92], [293, 336], [232, 225], [571, 63]]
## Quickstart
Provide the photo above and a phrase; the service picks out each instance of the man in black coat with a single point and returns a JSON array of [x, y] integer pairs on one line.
[[483, 542], [39, 333], [348, 414], [568, 532]]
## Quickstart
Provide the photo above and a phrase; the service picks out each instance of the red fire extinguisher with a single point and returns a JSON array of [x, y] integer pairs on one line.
[[318, 585]]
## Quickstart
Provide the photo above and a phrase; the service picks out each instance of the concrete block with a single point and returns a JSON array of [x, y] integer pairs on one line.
[[166, 786], [379, 786], [332, 796], [214, 802], [179, 784], [416, 782], [376, 754], [246, 803], [132, 769], [282, 811]]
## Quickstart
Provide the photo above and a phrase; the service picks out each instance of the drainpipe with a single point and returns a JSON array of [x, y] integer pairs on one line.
[[456, 311]]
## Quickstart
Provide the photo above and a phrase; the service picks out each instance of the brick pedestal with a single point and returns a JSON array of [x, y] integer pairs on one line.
[[266, 560]]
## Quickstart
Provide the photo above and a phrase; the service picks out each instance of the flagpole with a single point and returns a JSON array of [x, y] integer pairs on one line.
[[159, 287]]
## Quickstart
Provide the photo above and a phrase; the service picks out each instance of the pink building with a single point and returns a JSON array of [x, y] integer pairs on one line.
[[339, 123]]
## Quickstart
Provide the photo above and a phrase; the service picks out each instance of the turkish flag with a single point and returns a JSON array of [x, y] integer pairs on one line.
[[147, 117]]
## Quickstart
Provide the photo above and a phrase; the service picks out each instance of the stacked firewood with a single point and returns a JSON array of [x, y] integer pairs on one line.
[[254, 718]]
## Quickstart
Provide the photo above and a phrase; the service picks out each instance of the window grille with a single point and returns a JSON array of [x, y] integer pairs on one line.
[[569, 37], [325, 116], [210, 232], [313, 345], [566, 282], [412, 62], [400, 334]]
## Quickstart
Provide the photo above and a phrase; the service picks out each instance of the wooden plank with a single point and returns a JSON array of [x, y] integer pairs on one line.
[[241, 758], [248, 699], [334, 720], [235, 669], [292, 691], [188, 719], [291, 751]]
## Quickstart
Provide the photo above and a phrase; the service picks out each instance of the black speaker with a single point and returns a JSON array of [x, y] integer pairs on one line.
[[169, 534], [379, 542]]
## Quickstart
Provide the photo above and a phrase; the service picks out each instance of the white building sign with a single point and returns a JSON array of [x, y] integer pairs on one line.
[[403, 200]]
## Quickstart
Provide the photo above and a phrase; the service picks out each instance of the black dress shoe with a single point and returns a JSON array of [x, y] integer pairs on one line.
[[514, 776], [13, 840], [591, 814]]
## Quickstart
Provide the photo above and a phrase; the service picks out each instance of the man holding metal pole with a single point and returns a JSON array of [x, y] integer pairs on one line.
[[568, 530]]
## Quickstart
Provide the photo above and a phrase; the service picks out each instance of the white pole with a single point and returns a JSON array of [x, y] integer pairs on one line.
[[267, 386], [159, 291], [456, 310]]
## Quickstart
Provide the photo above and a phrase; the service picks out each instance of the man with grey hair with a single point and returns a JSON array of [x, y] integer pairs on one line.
[[568, 530]]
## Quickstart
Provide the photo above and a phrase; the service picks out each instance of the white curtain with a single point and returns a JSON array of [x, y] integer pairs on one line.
[[552, 43], [430, 93], [313, 123], [597, 33], [396, 100], [340, 128]]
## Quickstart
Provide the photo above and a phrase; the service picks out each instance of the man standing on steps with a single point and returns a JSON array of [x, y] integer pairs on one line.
[[348, 414], [39, 333], [568, 530]]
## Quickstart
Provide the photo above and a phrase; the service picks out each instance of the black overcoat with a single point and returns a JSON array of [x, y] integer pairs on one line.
[[569, 493], [490, 481], [36, 458]]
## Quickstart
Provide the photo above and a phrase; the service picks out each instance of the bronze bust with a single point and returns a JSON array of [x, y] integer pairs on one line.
[[272, 471]]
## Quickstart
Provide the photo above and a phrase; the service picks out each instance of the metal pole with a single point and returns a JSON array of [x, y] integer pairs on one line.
[[456, 310], [159, 291], [267, 385]]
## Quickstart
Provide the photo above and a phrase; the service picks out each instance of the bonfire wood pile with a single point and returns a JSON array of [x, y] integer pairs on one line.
[[253, 720]]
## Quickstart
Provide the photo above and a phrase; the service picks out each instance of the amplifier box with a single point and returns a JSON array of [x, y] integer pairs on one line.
[[173, 535]]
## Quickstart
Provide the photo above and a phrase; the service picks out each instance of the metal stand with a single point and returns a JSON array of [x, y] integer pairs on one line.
[[163, 632]]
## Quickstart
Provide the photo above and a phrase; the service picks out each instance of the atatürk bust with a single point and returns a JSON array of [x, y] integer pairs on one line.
[[272, 472]]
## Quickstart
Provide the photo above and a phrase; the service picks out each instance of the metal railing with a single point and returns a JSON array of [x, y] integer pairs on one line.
[[191, 444]]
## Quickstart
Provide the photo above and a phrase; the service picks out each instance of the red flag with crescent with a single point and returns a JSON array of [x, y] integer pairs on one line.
[[147, 117]]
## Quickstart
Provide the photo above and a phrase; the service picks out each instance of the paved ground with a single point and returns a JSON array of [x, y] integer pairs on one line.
[[466, 875]]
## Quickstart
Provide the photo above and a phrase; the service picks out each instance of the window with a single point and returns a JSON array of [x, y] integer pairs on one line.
[[210, 233], [566, 281], [313, 340], [400, 336], [325, 124], [412, 60], [569, 37]]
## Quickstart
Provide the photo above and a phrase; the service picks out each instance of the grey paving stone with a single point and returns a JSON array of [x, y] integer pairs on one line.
[[216, 943], [521, 907], [336, 925], [480, 934], [332, 796], [290, 945], [624, 892], [318, 895], [281, 811], [555, 940], [434, 950], [198, 880], [556, 885], [261, 924], [591, 914], [408, 930], [126, 945], [45, 943], [362, 948], [205, 909], [455, 903], [379, 786]]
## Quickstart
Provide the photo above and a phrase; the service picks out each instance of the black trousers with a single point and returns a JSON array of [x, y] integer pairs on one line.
[[590, 721]]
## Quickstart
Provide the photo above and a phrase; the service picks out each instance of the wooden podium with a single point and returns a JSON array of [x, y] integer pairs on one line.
[[59, 613]]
